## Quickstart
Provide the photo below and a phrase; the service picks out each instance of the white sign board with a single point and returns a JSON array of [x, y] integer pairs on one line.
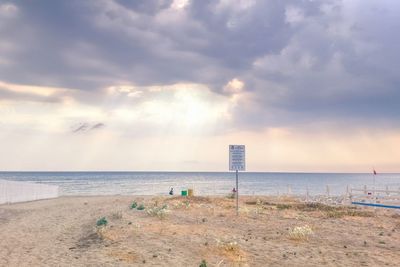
[[237, 159]]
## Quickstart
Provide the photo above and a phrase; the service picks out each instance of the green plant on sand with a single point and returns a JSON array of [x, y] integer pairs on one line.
[[133, 205], [140, 207], [203, 263], [102, 222]]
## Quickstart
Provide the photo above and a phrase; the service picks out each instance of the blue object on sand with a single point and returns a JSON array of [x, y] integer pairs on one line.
[[376, 205]]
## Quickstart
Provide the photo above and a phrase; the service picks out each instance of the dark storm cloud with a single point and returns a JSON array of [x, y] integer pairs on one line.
[[151, 7], [303, 61]]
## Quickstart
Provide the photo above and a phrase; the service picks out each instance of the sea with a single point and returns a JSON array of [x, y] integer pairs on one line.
[[206, 183]]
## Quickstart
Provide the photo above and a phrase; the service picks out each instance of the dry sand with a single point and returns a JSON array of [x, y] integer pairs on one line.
[[63, 232]]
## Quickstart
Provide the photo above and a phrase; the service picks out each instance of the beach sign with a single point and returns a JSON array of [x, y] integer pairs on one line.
[[237, 162], [237, 159]]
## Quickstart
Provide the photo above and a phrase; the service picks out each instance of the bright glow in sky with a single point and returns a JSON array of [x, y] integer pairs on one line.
[[168, 85]]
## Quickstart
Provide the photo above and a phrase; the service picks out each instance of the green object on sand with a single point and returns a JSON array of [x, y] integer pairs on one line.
[[184, 193], [203, 263], [133, 205], [141, 207], [102, 221]]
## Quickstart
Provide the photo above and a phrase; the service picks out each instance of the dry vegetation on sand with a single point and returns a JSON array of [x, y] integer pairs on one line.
[[175, 231]]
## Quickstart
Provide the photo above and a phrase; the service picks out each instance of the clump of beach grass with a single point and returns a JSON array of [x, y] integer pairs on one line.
[[160, 212], [283, 206], [182, 204], [329, 210], [259, 207], [360, 213], [300, 233], [116, 215], [227, 245], [251, 202], [231, 195], [140, 207], [187, 203], [348, 212]]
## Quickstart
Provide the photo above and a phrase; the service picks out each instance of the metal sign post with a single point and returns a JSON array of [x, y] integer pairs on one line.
[[237, 192], [237, 162]]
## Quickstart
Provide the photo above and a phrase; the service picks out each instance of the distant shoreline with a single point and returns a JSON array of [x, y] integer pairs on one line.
[[222, 172]]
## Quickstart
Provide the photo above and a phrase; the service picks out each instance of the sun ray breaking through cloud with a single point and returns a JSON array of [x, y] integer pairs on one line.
[[159, 84]]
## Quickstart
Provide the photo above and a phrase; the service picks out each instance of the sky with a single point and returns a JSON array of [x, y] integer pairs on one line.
[[167, 85]]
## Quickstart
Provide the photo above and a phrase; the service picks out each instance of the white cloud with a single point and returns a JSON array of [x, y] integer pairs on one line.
[[8, 10], [292, 61], [182, 108], [179, 107], [234, 86], [179, 4], [148, 68], [294, 15]]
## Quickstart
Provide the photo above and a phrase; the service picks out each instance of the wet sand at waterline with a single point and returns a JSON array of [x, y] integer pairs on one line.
[[185, 231]]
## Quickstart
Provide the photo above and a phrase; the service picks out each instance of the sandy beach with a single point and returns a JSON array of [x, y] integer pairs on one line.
[[175, 231]]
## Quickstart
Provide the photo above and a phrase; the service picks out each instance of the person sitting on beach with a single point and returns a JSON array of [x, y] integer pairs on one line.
[[171, 192], [234, 190]]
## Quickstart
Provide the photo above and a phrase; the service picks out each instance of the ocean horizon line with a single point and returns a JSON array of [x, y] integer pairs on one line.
[[161, 171]]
